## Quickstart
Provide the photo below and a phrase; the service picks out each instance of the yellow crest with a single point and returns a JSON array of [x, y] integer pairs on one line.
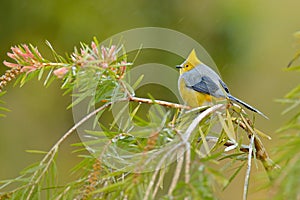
[[190, 62], [192, 59]]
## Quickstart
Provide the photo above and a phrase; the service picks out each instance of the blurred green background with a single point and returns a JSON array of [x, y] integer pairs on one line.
[[250, 41]]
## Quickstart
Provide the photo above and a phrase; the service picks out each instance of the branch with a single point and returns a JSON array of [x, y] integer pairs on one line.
[[150, 101], [247, 177], [162, 103], [266, 160], [260, 150], [228, 143]]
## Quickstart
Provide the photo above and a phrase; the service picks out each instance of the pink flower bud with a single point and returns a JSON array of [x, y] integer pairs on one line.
[[28, 69], [11, 65], [104, 65], [60, 73], [11, 55], [95, 49], [28, 52]]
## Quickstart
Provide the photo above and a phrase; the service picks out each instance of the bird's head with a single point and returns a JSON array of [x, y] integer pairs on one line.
[[191, 62]]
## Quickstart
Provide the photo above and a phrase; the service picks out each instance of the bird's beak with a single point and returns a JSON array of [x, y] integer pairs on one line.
[[178, 66]]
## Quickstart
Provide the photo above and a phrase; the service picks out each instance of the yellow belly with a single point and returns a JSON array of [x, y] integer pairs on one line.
[[191, 97]]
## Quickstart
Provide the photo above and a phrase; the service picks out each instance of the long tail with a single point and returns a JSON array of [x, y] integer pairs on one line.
[[246, 105]]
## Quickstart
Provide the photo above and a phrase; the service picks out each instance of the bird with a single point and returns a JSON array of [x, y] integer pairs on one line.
[[198, 84]]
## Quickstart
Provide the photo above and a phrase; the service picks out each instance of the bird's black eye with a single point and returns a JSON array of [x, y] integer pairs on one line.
[[186, 65]]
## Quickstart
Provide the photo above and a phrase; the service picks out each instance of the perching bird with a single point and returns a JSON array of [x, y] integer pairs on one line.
[[199, 84]]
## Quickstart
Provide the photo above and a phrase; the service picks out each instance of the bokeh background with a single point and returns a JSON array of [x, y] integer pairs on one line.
[[251, 42]]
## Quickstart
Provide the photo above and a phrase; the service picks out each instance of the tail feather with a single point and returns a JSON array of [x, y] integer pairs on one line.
[[246, 105]]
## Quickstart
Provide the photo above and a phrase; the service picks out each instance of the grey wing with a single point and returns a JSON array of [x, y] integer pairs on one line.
[[206, 85]]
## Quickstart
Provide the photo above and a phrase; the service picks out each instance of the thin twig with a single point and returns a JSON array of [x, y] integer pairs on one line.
[[162, 103], [150, 101], [54, 64], [260, 151], [228, 143], [247, 177], [125, 88], [293, 60]]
